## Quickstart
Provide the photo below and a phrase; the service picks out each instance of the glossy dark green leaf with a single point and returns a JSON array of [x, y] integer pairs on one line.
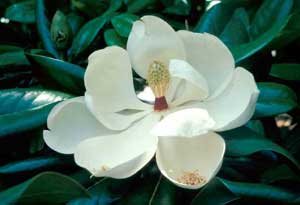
[[35, 164], [270, 19], [134, 6], [256, 126], [12, 57], [243, 142], [67, 75], [23, 12], [26, 109], [83, 177], [43, 27], [178, 7], [112, 38], [220, 192], [95, 200], [269, 12], [153, 190], [46, 188], [216, 18], [9, 48], [290, 32], [123, 23], [88, 33], [279, 173], [75, 21], [215, 193], [91, 8], [236, 30], [286, 71], [109, 190], [61, 33], [274, 99], [36, 143]]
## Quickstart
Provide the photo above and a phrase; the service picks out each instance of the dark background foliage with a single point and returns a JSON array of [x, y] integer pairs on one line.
[[44, 45]]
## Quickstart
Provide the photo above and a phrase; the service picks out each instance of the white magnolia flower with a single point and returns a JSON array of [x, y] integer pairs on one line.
[[113, 133]]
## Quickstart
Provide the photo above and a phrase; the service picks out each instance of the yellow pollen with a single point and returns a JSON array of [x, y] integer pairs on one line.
[[191, 178], [158, 78], [104, 168]]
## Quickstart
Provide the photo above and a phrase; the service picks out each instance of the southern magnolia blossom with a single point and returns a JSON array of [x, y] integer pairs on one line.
[[197, 89]]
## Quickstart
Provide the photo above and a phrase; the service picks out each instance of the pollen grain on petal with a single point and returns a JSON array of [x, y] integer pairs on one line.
[[104, 168], [191, 178]]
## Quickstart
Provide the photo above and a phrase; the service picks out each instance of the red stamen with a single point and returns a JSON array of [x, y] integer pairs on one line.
[[160, 104]]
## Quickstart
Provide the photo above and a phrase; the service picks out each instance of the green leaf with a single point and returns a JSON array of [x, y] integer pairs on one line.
[[91, 8], [88, 33], [61, 33], [67, 75], [274, 99], [112, 38], [178, 7], [243, 142], [75, 21], [43, 27], [35, 164], [214, 193], [279, 173], [269, 12], [220, 192], [95, 200], [123, 23], [215, 19], [12, 56], [236, 30], [257, 126], [290, 32], [109, 189], [286, 71], [134, 6], [22, 12], [26, 109], [153, 190], [83, 177], [270, 19], [36, 143], [46, 188]]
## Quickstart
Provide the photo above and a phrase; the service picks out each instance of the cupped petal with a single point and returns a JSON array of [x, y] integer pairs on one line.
[[190, 162], [189, 122], [147, 95], [115, 120], [153, 39], [210, 57], [109, 82], [69, 123], [189, 84], [236, 104], [121, 155]]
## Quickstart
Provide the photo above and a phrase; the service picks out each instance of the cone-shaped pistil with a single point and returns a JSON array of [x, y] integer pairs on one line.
[[158, 80]]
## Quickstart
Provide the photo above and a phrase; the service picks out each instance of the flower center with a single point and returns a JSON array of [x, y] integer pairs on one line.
[[158, 79]]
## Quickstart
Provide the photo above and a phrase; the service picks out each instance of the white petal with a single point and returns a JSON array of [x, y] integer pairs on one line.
[[69, 123], [209, 56], [236, 104], [147, 95], [115, 120], [109, 82], [184, 123], [190, 157], [192, 85], [151, 39], [121, 155]]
